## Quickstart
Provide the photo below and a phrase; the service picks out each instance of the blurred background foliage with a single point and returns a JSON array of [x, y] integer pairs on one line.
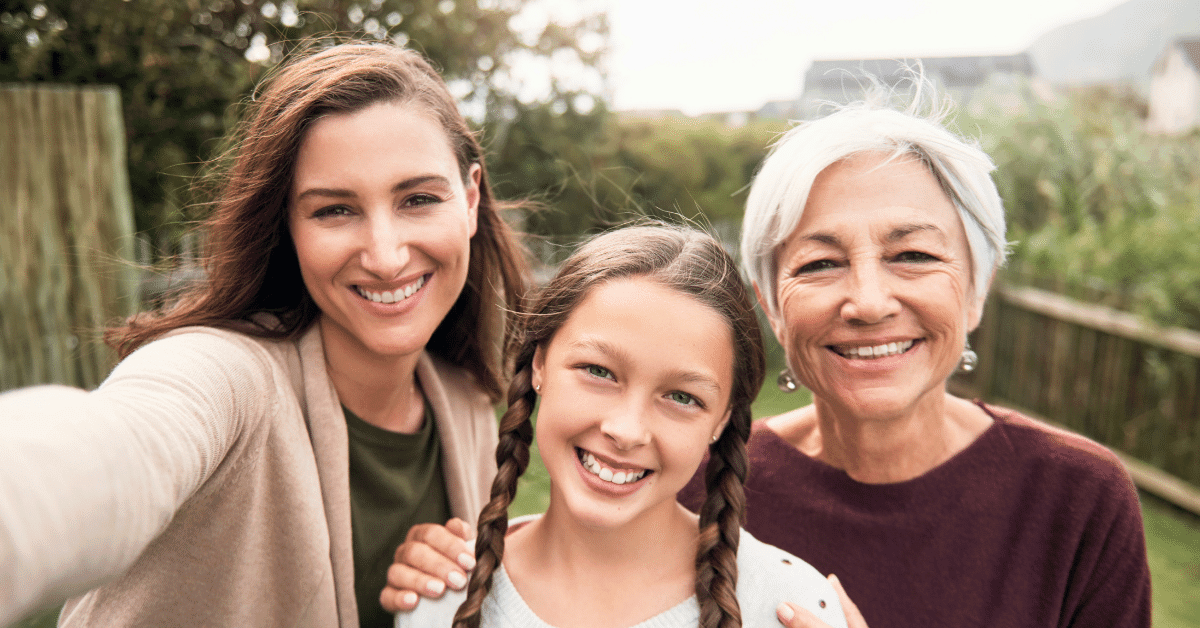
[[1098, 209], [184, 66]]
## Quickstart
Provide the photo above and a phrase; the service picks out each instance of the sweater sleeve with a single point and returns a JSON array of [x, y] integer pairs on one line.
[[1111, 581], [88, 479]]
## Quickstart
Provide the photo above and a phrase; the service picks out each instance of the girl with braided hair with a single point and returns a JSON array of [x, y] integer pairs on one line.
[[641, 355]]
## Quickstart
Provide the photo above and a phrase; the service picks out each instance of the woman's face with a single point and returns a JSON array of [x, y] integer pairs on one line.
[[633, 386], [875, 288], [382, 221]]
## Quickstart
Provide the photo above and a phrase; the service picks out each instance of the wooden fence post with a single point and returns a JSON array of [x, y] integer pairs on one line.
[[66, 233]]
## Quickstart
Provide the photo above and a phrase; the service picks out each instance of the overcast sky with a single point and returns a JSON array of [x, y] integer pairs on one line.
[[718, 55]]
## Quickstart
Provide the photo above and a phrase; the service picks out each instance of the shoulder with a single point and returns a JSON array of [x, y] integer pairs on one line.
[[210, 346], [1045, 448], [768, 575], [206, 369]]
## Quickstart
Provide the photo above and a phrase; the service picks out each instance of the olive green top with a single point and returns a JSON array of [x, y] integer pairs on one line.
[[395, 483]]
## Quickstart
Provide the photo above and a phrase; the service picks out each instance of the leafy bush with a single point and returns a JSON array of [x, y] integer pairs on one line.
[[1097, 208]]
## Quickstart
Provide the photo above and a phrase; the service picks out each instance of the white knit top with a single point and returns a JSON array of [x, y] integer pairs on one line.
[[767, 576]]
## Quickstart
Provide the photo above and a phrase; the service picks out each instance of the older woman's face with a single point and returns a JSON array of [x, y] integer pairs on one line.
[[875, 288]]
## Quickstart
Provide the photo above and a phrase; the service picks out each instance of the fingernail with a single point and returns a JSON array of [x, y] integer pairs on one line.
[[409, 598], [834, 579], [435, 587], [457, 580], [785, 612], [467, 561]]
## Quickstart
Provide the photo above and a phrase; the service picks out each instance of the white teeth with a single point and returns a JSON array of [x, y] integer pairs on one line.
[[608, 475], [866, 353], [399, 294]]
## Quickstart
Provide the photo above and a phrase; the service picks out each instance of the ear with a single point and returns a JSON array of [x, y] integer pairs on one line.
[[762, 303], [723, 424], [474, 176], [539, 362]]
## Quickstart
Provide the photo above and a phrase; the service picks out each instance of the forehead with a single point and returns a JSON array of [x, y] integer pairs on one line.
[[874, 190], [647, 323], [383, 135]]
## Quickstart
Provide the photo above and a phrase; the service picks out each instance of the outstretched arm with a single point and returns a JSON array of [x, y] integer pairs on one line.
[[88, 479]]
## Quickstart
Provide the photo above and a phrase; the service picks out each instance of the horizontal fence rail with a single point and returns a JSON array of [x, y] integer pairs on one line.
[[1109, 375]]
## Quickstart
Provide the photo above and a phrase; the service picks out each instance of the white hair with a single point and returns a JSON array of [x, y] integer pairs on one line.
[[780, 189]]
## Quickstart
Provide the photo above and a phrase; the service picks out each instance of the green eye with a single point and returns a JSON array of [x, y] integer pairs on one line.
[[682, 398], [599, 371]]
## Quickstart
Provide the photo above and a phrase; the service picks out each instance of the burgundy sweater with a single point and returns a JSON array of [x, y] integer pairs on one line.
[[1029, 526]]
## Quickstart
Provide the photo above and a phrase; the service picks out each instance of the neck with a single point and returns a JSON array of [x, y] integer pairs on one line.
[[887, 449], [577, 576], [381, 390]]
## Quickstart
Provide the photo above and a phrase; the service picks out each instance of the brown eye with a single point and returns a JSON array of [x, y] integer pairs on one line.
[[817, 266]]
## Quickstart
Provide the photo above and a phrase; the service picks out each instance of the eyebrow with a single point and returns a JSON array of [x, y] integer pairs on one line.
[[895, 235], [406, 184], [607, 348]]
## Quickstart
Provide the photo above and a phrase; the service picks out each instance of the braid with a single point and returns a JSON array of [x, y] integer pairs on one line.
[[720, 525], [512, 457]]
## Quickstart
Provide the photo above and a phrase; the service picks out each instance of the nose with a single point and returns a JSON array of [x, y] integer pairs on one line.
[[870, 296], [626, 427], [385, 248]]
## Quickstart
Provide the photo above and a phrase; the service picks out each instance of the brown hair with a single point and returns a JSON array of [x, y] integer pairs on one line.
[[249, 258], [695, 264]]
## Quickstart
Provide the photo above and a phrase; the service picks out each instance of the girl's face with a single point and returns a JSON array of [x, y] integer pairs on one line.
[[633, 387], [382, 222]]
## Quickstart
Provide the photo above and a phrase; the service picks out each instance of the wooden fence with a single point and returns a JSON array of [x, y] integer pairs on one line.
[[1106, 374], [66, 232]]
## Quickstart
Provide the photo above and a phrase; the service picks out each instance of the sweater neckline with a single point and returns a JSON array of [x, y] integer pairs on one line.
[[512, 607]]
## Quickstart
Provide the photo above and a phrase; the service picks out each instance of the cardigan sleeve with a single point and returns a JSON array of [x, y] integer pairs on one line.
[[88, 479]]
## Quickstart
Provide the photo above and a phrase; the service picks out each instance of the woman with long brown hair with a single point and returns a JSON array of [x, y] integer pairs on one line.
[[266, 443], [642, 355]]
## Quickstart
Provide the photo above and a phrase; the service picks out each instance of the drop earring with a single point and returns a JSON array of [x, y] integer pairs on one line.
[[969, 359], [785, 381]]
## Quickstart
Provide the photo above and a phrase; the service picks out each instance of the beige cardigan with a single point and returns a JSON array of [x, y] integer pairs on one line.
[[205, 483]]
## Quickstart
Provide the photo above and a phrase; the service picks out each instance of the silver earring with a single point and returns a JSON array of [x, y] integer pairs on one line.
[[785, 381], [969, 359], [537, 389], [714, 438]]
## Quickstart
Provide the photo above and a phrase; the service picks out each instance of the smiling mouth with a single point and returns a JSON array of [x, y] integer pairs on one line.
[[612, 476], [871, 353], [399, 294]]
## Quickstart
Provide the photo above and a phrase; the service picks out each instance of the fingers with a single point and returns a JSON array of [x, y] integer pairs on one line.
[[460, 528], [854, 618], [394, 600], [449, 541], [431, 558], [794, 616]]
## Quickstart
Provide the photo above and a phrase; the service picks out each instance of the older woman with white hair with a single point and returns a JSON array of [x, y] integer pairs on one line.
[[871, 237]]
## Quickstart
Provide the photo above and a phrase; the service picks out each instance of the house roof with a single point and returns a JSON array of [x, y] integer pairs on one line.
[[951, 71], [1191, 51]]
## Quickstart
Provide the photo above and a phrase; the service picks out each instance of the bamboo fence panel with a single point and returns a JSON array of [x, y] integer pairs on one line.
[[1107, 374], [66, 241]]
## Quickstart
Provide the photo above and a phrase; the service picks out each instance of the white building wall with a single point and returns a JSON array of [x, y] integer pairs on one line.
[[1174, 96]]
